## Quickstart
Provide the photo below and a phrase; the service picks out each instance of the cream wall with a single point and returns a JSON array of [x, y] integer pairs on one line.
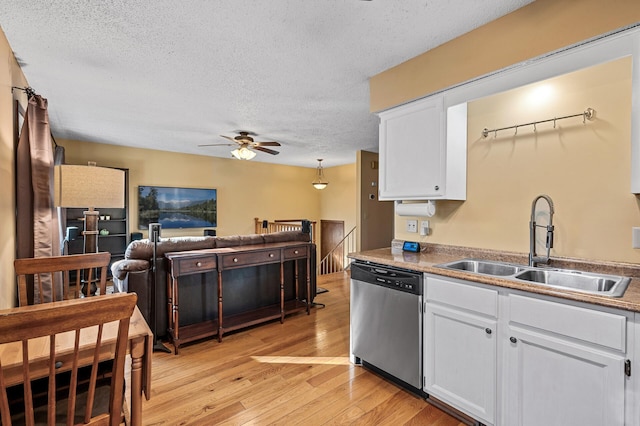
[[584, 168], [246, 189], [540, 27], [338, 200], [10, 75]]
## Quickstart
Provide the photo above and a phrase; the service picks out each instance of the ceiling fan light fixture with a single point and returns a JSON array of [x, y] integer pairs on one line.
[[320, 182], [243, 153]]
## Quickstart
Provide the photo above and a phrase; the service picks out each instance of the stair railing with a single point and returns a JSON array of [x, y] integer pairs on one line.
[[267, 227], [336, 260]]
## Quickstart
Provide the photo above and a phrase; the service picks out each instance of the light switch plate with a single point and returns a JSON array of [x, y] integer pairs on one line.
[[635, 237], [424, 227]]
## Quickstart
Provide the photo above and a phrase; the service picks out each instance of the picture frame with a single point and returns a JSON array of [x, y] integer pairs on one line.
[[177, 207]]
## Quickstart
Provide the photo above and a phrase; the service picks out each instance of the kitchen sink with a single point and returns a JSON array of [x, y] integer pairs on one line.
[[484, 267], [585, 282], [608, 285]]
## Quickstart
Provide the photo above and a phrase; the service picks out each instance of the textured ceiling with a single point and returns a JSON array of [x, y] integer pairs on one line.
[[172, 75]]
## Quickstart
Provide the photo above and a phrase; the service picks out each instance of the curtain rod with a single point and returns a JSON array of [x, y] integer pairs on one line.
[[588, 114], [30, 94], [28, 90]]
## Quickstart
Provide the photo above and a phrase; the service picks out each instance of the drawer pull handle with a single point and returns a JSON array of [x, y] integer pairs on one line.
[[513, 339], [487, 330], [270, 254], [235, 260], [198, 264], [295, 252]]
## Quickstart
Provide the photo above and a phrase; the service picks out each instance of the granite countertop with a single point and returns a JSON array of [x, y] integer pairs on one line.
[[434, 254]]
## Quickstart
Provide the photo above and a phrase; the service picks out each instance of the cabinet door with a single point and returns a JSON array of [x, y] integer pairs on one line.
[[412, 151], [460, 360], [553, 381]]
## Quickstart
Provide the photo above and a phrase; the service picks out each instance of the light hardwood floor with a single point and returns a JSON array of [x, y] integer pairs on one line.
[[287, 374]]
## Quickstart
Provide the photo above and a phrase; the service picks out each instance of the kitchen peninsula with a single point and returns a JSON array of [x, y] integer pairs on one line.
[[508, 352]]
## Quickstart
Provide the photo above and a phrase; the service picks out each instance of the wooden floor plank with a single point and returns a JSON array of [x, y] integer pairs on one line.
[[282, 374]]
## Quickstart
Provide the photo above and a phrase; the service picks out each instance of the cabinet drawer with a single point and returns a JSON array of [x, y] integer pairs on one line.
[[233, 260], [193, 265], [295, 253], [463, 296], [601, 328]]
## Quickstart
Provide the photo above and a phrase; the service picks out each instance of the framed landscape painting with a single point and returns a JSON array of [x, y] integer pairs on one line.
[[176, 208]]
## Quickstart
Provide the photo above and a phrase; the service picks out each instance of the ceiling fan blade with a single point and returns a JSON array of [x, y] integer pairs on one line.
[[230, 138], [266, 144], [217, 144], [267, 150]]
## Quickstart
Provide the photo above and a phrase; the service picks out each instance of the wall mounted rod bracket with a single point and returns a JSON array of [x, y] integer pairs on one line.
[[28, 90]]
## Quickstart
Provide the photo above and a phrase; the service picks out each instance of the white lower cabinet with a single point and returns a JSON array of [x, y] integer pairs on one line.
[[564, 364], [510, 358], [551, 382], [460, 346]]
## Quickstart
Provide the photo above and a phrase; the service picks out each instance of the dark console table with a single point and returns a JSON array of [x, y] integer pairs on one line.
[[219, 260]]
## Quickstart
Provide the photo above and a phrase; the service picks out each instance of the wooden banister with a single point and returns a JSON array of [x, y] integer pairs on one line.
[[267, 227]]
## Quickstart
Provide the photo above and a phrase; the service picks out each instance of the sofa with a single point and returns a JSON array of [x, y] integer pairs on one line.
[[198, 293]]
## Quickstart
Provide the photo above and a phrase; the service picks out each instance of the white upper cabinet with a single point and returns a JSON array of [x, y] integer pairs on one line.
[[423, 151]]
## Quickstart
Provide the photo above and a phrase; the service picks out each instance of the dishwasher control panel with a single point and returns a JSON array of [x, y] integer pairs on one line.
[[399, 279]]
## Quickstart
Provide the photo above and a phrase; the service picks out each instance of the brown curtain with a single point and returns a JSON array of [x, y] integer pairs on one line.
[[36, 218]]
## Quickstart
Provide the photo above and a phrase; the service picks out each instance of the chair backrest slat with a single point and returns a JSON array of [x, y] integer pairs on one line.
[[83, 317], [42, 273]]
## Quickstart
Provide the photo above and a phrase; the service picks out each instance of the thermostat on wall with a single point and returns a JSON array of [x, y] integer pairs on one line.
[[411, 246]]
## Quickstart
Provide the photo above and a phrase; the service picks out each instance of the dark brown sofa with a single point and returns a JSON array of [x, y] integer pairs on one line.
[[198, 293]]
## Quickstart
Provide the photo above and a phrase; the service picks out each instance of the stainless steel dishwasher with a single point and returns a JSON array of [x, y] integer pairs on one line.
[[386, 320]]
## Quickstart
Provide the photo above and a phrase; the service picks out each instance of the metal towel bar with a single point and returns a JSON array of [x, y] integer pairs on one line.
[[588, 114]]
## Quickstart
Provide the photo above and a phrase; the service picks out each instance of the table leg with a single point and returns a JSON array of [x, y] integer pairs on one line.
[[137, 355], [281, 292], [175, 315], [309, 272], [169, 302], [220, 325], [296, 278]]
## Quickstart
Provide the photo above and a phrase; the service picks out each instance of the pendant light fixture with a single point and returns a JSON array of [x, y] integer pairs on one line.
[[320, 182]]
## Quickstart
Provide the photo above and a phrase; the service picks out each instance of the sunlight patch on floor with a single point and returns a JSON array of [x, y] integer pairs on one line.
[[338, 360]]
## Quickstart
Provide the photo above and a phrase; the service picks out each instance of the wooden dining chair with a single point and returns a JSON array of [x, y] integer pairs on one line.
[[41, 273], [33, 330]]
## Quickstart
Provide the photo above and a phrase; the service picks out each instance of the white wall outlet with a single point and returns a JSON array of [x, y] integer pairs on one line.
[[424, 227], [635, 237], [412, 226]]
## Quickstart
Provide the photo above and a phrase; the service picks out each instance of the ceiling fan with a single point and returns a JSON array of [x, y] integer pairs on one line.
[[246, 144]]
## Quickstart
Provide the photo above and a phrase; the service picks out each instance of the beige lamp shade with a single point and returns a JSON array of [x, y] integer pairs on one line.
[[88, 186]]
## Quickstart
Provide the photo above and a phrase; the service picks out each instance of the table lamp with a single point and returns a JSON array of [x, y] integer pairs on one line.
[[88, 187]]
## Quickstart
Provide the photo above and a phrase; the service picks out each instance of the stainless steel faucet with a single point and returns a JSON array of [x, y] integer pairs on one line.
[[534, 259]]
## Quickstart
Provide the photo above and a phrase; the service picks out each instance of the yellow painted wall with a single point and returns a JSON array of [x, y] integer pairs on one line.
[[246, 189], [584, 168], [538, 28], [10, 75], [338, 200]]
